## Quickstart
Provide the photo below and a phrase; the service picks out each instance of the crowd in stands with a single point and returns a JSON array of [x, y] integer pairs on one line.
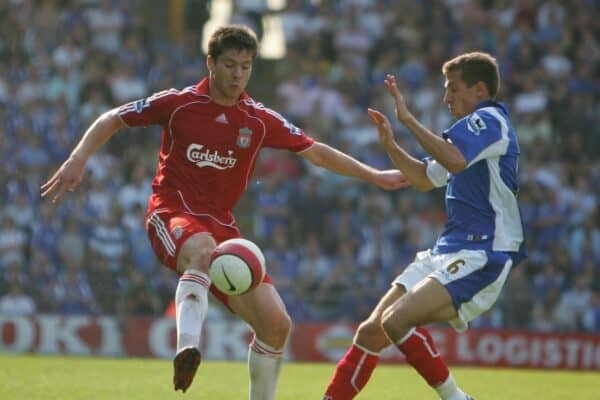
[[333, 244]]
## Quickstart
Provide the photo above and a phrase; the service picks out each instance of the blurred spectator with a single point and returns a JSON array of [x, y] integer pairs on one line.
[[330, 301], [136, 190], [41, 279], [72, 291], [272, 206], [107, 24], [313, 267], [137, 300], [108, 240], [517, 299], [282, 262], [573, 304], [21, 211], [16, 302], [70, 242], [591, 316], [106, 284], [13, 242], [542, 319]]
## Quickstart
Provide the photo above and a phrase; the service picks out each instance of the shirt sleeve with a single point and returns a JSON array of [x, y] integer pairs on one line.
[[480, 135], [153, 110], [437, 174], [282, 134]]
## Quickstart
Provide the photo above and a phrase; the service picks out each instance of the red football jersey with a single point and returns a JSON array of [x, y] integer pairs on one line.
[[208, 151]]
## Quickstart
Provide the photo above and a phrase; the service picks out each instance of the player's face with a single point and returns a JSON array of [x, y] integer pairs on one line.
[[461, 98], [229, 75]]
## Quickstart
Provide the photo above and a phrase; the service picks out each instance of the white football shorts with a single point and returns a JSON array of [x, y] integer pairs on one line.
[[474, 279]]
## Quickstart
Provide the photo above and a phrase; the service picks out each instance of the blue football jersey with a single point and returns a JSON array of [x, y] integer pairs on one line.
[[481, 200]]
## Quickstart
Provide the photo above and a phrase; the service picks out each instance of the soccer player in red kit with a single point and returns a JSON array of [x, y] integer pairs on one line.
[[212, 134]]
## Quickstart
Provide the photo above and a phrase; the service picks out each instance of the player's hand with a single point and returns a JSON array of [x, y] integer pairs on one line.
[[384, 127], [68, 177], [391, 179], [402, 113]]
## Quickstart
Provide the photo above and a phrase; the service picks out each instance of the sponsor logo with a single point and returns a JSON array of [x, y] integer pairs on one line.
[[334, 341], [232, 287], [204, 157], [244, 138], [475, 124]]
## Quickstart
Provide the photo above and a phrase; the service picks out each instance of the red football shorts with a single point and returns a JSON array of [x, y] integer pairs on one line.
[[168, 231]]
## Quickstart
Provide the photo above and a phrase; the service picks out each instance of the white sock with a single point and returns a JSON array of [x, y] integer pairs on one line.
[[449, 390], [191, 302], [264, 363]]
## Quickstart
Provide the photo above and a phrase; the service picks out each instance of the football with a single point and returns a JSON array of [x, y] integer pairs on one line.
[[237, 266]]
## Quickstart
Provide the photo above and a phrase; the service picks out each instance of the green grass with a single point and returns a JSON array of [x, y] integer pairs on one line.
[[32, 377]]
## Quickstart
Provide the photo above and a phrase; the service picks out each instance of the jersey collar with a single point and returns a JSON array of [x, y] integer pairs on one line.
[[203, 89], [492, 103]]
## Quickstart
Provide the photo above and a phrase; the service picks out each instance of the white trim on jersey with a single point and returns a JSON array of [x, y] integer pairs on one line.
[[508, 231], [436, 173], [260, 106], [308, 148], [189, 211], [132, 106], [262, 139], [497, 148]]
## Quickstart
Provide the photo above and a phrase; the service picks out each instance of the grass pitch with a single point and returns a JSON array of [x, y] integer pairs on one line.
[[34, 377]]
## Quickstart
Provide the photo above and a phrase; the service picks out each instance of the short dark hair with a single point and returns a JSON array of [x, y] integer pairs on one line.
[[474, 67], [239, 37]]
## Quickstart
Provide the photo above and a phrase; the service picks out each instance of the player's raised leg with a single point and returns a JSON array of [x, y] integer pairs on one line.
[[191, 301], [263, 309]]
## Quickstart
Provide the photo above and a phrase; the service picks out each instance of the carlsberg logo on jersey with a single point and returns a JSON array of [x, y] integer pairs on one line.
[[203, 157]]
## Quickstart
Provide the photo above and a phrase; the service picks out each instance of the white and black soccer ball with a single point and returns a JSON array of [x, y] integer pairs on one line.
[[237, 266]]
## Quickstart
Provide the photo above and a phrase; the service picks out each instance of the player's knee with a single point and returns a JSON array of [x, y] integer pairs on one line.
[[368, 328], [284, 327], [278, 332], [195, 252], [392, 324], [370, 335]]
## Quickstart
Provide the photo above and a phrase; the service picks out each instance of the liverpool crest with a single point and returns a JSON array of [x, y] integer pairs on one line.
[[244, 138]]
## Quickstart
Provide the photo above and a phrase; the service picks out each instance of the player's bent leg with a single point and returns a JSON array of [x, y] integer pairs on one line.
[[354, 370], [427, 302], [370, 333], [263, 309], [191, 302]]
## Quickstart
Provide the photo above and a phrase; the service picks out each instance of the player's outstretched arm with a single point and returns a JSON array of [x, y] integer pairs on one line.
[[442, 151], [414, 170], [70, 173], [327, 157]]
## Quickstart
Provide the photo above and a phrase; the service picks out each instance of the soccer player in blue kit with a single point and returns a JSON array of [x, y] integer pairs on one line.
[[462, 276]]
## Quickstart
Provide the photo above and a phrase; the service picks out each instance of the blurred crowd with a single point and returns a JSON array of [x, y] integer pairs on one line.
[[333, 244]]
